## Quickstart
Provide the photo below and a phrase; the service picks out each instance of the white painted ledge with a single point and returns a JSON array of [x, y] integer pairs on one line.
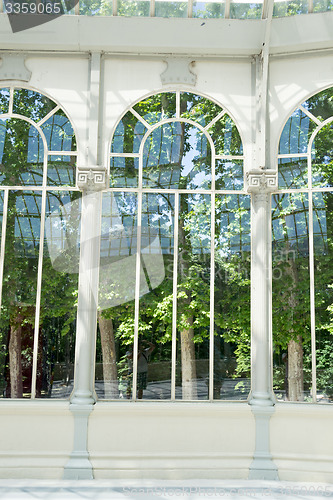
[[148, 36]]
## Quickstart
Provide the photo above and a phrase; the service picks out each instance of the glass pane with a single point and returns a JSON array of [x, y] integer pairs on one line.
[[322, 157], [154, 360], [197, 108], [229, 174], [96, 7], [128, 135], [19, 291], [322, 5], [116, 295], [240, 10], [21, 153], [4, 100], [293, 173], [208, 9], [165, 8], [291, 298], [124, 172], [232, 330], [177, 155], [321, 104], [290, 8], [296, 133], [61, 171], [31, 104], [133, 8], [55, 367], [323, 252], [193, 305], [59, 133], [157, 107], [226, 137]]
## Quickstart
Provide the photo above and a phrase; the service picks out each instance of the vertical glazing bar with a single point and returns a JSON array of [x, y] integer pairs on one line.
[[178, 104], [137, 294], [152, 8], [3, 239], [38, 297], [1, 6], [212, 289], [312, 301], [77, 8], [174, 298], [11, 99], [310, 6], [189, 8]]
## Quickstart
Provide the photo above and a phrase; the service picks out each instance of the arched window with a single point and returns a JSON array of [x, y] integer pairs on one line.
[[303, 253], [39, 207], [174, 314]]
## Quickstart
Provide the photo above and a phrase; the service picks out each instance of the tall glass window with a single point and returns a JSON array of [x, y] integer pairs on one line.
[[40, 215], [174, 300], [303, 253]]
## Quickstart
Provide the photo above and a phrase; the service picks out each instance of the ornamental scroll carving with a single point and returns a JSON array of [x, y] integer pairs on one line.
[[93, 179], [262, 181]]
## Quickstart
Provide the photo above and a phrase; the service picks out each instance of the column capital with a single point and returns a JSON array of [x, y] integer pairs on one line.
[[92, 178], [262, 181]]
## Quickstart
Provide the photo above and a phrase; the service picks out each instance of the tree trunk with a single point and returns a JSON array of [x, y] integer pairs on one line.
[[110, 373], [295, 370], [189, 382], [189, 373], [295, 347], [15, 358]]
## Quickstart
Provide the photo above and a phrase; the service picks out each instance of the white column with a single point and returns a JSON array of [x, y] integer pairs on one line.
[[260, 184], [91, 179]]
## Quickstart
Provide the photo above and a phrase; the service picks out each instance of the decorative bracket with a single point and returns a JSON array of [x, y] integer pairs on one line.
[[14, 68], [262, 180], [92, 179], [178, 71]]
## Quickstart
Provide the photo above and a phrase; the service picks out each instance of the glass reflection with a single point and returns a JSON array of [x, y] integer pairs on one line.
[[177, 156], [291, 297], [165, 8], [226, 137], [128, 135], [229, 174], [243, 10], [59, 132], [232, 332], [61, 171], [133, 8], [157, 107], [124, 172], [208, 9], [197, 108], [322, 157], [31, 104], [19, 291], [296, 133], [4, 100], [323, 253], [293, 173], [155, 320], [21, 153], [290, 8], [55, 365], [321, 104], [193, 304], [119, 233]]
